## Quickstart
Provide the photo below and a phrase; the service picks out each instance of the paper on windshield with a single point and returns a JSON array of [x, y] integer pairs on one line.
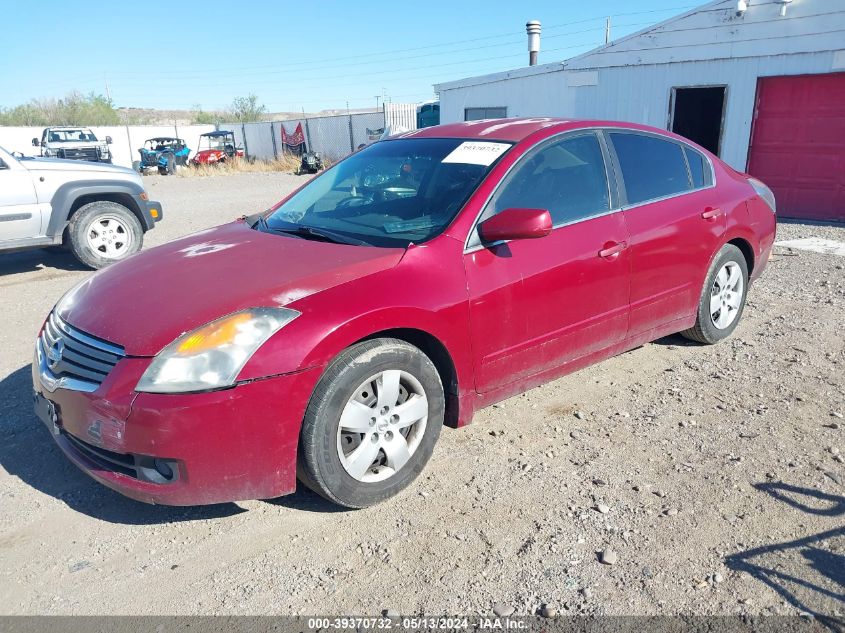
[[476, 153]]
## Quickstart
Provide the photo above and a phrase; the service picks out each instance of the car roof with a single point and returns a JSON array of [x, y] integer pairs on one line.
[[164, 138], [218, 133], [518, 129], [67, 127]]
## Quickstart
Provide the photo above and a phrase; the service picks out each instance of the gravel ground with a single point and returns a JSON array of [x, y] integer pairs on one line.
[[672, 479]]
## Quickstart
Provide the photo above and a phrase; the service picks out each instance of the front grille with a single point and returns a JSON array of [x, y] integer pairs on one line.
[[73, 354], [107, 460], [79, 153]]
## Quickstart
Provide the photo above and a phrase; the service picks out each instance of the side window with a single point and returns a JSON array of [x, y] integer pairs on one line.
[[567, 178], [477, 114], [651, 167], [699, 169], [3, 165]]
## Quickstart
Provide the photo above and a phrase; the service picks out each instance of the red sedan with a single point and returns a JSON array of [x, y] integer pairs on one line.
[[420, 279]]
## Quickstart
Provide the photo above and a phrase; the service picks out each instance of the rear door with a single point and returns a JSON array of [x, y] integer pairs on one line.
[[674, 223], [537, 304], [20, 216]]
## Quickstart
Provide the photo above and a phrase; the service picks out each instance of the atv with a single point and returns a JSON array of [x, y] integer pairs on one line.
[[164, 153], [311, 163], [216, 147]]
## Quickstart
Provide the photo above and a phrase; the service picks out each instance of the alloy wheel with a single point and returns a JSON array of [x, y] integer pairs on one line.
[[108, 236]]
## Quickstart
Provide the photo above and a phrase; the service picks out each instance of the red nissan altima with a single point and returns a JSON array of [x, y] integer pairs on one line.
[[329, 338]]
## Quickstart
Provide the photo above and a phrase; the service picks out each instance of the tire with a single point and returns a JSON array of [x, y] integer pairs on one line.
[[334, 459], [722, 298], [171, 165], [101, 233]]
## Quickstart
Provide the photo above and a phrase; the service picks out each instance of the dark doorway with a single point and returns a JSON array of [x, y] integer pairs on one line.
[[697, 115]]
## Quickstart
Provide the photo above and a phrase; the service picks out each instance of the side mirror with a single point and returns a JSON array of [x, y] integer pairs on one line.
[[516, 224], [36, 142], [108, 140]]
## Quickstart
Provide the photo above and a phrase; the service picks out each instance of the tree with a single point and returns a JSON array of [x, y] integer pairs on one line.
[[73, 109], [247, 109], [200, 117]]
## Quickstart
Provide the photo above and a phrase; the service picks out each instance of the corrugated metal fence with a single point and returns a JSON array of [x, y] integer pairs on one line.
[[333, 136]]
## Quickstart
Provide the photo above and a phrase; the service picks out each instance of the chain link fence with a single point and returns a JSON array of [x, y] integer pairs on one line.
[[333, 136]]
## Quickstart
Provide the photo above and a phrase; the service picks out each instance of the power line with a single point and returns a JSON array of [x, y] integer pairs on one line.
[[299, 64], [304, 66]]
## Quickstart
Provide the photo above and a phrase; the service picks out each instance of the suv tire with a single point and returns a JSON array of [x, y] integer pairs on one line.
[[101, 233]]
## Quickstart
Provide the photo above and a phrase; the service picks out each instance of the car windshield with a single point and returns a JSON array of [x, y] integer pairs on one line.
[[390, 193], [160, 143], [217, 142], [70, 136]]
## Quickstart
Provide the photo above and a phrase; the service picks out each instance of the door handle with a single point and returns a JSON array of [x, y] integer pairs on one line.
[[711, 213], [612, 249]]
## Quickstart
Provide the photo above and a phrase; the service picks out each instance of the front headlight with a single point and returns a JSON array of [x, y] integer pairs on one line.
[[212, 356]]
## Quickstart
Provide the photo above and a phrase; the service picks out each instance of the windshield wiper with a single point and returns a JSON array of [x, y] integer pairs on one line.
[[330, 236], [310, 232]]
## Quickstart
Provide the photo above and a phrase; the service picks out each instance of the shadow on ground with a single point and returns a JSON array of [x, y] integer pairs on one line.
[[809, 572], [27, 451], [38, 259]]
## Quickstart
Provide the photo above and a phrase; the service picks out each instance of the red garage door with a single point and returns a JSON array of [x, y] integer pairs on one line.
[[798, 144]]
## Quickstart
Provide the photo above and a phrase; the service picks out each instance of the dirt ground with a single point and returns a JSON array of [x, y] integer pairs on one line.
[[714, 474]]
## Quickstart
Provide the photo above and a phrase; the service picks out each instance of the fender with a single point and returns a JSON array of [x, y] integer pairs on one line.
[[309, 342], [68, 193], [332, 320]]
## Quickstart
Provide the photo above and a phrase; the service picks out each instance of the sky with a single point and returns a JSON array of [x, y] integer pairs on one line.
[[305, 55]]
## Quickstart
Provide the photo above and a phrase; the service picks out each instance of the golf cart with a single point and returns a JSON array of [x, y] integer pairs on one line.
[[164, 153], [216, 147]]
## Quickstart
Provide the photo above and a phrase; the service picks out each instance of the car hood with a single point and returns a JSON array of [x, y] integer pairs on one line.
[[60, 164], [148, 300]]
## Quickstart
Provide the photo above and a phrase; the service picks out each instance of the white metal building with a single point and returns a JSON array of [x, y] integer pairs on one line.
[[761, 83]]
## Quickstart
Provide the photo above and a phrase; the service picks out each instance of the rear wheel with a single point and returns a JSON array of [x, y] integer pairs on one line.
[[723, 297], [101, 233], [372, 423]]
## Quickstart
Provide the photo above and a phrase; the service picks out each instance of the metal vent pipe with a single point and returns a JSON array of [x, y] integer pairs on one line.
[[533, 30]]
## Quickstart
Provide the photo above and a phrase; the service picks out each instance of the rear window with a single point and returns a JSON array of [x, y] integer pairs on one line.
[[651, 167], [698, 168]]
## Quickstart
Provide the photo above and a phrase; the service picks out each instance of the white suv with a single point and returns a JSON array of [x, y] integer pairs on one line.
[[75, 143], [100, 212]]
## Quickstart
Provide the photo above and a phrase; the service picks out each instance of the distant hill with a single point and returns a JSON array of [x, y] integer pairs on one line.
[[150, 116]]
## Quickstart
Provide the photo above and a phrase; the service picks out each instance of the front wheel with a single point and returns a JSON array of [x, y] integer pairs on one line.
[[101, 233], [371, 424], [723, 297]]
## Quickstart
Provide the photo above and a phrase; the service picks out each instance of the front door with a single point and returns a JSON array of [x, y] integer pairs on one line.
[[538, 304], [20, 216]]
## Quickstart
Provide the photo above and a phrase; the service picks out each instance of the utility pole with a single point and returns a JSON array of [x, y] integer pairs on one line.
[[607, 30], [108, 92]]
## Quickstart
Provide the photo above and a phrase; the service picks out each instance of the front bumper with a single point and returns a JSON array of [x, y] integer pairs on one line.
[[151, 210], [222, 446]]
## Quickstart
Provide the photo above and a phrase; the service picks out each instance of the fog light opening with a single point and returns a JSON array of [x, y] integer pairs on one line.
[[164, 469], [157, 470]]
